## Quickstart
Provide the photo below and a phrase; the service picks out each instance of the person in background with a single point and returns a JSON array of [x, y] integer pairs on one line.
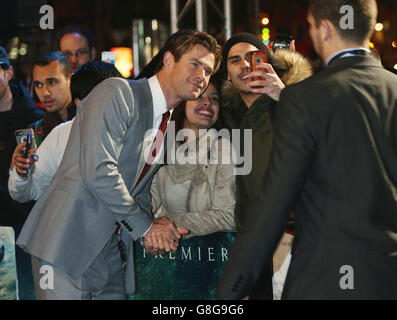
[[198, 196], [51, 82], [17, 111], [78, 44], [50, 152], [334, 161]]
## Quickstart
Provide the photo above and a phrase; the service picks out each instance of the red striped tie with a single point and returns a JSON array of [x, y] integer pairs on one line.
[[158, 140]]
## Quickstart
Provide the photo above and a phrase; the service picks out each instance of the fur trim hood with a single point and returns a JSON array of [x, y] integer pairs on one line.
[[291, 66]]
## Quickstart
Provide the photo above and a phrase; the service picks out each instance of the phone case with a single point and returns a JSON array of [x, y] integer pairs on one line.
[[257, 57], [21, 136]]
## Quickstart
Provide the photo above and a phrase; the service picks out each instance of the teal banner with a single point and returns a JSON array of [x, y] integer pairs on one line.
[[8, 268], [190, 273]]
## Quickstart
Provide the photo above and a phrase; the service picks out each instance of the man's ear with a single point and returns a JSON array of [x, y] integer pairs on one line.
[[327, 30], [168, 59], [68, 80], [9, 73]]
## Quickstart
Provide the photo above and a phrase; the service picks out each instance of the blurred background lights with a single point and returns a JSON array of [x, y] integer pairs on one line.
[[379, 26], [123, 60], [265, 21], [155, 25], [13, 53]]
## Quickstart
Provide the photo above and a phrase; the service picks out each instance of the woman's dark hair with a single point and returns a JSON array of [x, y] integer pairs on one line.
[[179, 113]]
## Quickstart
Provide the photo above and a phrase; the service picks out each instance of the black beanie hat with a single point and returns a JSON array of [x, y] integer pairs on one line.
[[241, 37]]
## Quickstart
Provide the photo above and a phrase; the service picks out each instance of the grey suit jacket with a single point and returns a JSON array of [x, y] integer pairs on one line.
[[94, 186], [333, 162]]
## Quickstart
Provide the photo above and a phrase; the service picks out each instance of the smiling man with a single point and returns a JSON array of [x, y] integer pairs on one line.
[[248, 107], [51, 82], [84, 223]]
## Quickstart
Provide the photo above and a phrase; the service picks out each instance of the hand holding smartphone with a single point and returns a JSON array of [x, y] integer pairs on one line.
[[25, 135], [282, 41], [264, 79], [257, 58]]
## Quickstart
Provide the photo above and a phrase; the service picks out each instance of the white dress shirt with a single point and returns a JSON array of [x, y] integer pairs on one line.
[[159, 108]]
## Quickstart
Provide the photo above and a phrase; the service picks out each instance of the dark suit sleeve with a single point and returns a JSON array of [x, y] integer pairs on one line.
[[106, 115], [266, 218]]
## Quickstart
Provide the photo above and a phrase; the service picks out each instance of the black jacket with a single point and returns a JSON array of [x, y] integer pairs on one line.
[[22, 113], [334, 157]]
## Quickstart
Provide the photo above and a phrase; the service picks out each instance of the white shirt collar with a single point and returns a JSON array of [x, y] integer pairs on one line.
[[159, 102], [347, 55]]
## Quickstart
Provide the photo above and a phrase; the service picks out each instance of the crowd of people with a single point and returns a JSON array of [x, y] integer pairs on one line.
[[110, 180]]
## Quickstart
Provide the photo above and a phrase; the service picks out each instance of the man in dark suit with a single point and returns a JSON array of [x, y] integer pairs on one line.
[[333, 162]]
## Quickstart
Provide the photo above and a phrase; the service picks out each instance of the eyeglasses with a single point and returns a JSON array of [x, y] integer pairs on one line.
[[78, 53]]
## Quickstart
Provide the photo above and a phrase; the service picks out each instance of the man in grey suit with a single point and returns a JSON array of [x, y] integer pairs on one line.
[[333, 162], [81, 229]]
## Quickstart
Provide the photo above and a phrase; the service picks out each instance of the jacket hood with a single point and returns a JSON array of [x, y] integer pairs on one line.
[[291, 66]]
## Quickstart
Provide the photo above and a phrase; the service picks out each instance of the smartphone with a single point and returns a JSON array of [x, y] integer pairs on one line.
[[21, 135], [282, 41], [109, 57], [26, 135], [256, 58]]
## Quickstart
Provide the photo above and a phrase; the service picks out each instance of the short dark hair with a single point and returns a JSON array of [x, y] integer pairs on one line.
[[85, 32], [89, 75], [365, 14], [184, 40], [5, 66], [48, 57]]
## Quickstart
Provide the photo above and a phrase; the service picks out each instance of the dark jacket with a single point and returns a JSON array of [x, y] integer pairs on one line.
[[334, 159], [22, 113]]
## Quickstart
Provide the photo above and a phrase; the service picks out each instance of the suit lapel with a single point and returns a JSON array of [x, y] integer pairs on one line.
[[144, 107]]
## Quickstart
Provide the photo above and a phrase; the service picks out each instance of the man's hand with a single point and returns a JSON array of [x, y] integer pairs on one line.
[[22, 164], [291, 46], [270, 83], [163, 236]]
